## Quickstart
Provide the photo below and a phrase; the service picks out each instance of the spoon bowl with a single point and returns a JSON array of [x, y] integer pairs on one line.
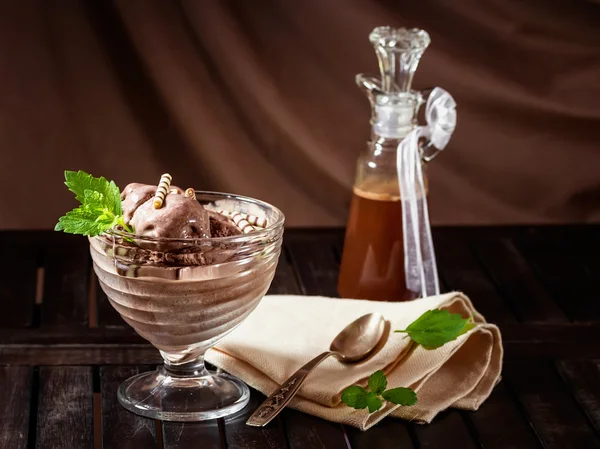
[[357, 340]]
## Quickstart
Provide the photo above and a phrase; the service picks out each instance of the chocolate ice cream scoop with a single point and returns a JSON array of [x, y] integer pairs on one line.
[[136, 194], [180, 217]]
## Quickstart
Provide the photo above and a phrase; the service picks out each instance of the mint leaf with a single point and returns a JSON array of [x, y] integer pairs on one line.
[[374, 403], [377, 382], [100, 208], [355, 397], [80, 181], [468, 326], [437, 327], [86, 220], [79, 221], [359, 398], [400, 396]]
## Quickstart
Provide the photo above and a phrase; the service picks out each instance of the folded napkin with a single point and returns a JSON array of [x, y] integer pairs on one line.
[[285, 332]]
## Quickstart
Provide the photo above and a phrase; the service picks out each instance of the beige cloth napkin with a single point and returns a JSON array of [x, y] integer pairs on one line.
[[285, 332]]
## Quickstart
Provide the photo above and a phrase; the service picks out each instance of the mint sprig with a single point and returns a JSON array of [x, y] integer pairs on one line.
[[431, 330], [100, 208], [437, 327], [377, 382], [358, 397]]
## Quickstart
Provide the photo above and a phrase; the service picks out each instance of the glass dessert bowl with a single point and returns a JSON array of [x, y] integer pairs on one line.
[[184, 295]]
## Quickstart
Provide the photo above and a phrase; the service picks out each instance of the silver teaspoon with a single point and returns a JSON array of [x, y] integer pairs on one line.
[[351, 345]]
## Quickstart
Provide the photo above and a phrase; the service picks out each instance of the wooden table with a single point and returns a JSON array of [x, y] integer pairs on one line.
[[64, 351]]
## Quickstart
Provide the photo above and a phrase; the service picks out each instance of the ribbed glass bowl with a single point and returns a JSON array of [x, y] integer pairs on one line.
[[183, 310]]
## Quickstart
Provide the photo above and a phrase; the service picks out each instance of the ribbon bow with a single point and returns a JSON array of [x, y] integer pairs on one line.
[[419, 255]]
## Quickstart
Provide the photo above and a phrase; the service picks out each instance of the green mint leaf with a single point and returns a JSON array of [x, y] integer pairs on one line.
[[374, 403], [437, 327], [83, 221], [468, 326], [355, 397], [100, 208], [80, 181], [377, 382], [400, 396]]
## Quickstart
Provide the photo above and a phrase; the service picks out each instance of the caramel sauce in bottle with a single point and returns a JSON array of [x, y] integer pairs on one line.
[[373, 259]]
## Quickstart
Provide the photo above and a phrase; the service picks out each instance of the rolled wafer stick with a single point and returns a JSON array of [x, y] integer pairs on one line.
[[239, 220], [174, 192], [190, 193], [162, 190], [243, 224], [257, 222]]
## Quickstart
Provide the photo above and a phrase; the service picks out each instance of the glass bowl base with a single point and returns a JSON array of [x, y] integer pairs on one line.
[[166, 396]]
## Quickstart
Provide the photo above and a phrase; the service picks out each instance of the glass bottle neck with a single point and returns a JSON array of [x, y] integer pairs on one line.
[[378, 143]]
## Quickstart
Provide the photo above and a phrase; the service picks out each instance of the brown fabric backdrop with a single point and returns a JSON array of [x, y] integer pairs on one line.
[[258, 97]]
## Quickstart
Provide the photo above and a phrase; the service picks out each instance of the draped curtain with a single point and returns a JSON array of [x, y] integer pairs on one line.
[[258, 98]]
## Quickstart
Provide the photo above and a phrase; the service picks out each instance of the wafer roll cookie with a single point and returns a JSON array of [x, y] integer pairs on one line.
[[257, 222], [162, 190], [239, 220], [190, 193], [242, 223]]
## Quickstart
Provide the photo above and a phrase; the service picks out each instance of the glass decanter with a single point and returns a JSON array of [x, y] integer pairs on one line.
[[373, 262]]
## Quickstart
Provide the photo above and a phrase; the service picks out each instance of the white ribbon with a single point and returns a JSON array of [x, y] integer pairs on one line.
[[419, 255]]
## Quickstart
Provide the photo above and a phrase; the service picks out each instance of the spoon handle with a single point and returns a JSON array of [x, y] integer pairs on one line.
[[271, 407]]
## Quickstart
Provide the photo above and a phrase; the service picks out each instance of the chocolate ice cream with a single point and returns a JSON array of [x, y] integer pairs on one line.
[[179, 217], [221, 226], [136, 194]]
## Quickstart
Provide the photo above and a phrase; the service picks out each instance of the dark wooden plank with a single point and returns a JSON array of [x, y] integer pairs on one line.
[[18, 267], [285, 281], [587, 253], [309, 432], [122, 429], [15, 391], [448, 430], [193, 435], [315, 262], [119, 345], [583, 379], [592, 267], [516, 281], [552, 410], [551, 339], [66, 285], [83, 355], [560, 269], [387, 434], [146, 354], [584, 334], [501, 424], [461, 271], [484, 232], [70, 335], [65, 410], [240, 436]]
